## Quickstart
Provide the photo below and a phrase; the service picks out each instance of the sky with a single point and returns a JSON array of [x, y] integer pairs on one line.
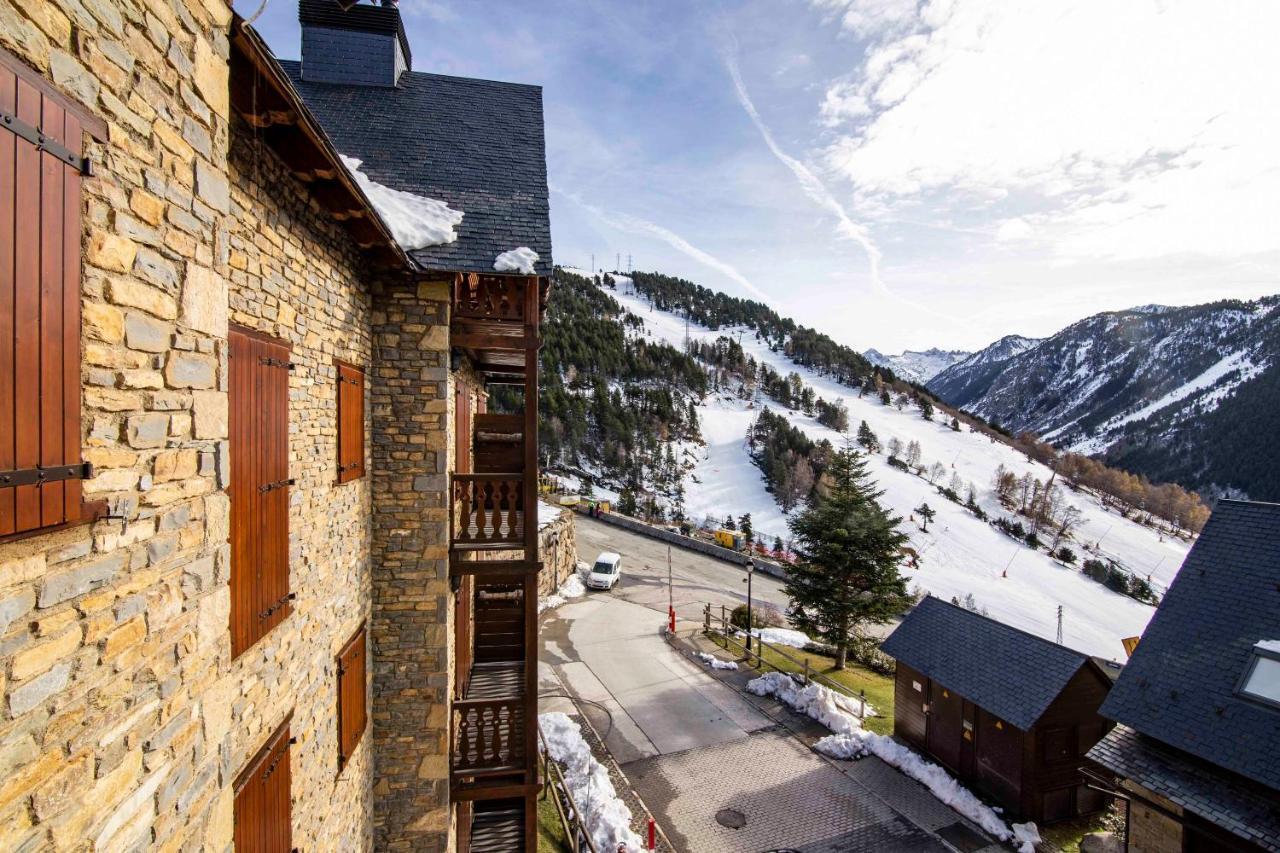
[[897, 174]]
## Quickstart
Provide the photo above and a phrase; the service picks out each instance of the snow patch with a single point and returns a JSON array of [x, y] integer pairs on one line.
[[715, 662], [850, 740], [548, 514], [604, 815], [1268, 645], [415, 221], [782, 637], [571, 588], [517, 260]]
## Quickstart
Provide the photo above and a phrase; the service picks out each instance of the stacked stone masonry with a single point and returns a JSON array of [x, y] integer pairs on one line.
[[125, 720]]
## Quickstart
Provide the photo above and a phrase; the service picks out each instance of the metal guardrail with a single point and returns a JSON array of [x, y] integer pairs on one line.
[[570, 815], [728, 631]]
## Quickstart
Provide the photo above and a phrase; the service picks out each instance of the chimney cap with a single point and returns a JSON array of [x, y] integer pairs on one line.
[[353, 15]]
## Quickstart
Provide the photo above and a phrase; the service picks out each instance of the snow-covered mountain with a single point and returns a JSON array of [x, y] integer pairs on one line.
[[1188, 394], [917, 366], [969, 377], [959, 554]]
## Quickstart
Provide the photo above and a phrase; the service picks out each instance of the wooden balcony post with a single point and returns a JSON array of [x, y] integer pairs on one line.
[[531, 320]]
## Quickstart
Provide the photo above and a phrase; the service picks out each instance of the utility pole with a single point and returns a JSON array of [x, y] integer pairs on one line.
[[1059, 624], [628, 263], [593, 263], [671, 595], [617, 262]]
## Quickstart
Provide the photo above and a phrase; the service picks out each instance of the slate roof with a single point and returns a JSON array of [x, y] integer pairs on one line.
[[1243, 808], [477, 145], [1010, 673], [1180, 685]]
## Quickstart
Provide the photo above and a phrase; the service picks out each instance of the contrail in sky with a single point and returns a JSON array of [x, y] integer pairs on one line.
[[810, 183], [636, 225]]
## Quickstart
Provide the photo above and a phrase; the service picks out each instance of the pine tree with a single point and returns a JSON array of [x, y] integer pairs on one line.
[[729, 524], [927, 513], [848, 548], [926, 408], [867, 438], [744, 524]]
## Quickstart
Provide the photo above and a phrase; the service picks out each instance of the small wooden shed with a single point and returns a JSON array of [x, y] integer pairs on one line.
[[1011, 715]]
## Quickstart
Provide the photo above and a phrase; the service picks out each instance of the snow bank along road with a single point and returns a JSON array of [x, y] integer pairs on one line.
[[960, 555], [694, 747]]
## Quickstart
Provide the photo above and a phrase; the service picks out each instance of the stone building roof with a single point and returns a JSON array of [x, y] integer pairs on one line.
[[477, 145]]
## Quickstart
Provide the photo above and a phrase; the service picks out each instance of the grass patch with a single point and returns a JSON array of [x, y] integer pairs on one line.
[[551, 837], [853, 677]]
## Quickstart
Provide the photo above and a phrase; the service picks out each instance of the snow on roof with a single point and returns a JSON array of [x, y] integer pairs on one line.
[[1268, 645], [415, 221], [519, 260]]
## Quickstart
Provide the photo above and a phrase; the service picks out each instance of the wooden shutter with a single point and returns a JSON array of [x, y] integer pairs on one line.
[[352, 697], [263, 808], [40, 465], [350, 422], [259, 428], [462, 429]]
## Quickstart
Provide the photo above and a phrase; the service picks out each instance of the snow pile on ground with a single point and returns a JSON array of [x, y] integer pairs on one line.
[[715, 662], [850, 740], [415, 221], [517, 260], [822, 704], [604, 815], [571, 588], [782, 637]]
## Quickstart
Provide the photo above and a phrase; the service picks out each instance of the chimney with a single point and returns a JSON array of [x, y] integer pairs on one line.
[[355, 45]]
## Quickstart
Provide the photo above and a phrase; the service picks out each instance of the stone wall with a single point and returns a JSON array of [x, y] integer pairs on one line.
[[293, 274], [558, 552], [1149, 830], [112, 635], [412, 625]]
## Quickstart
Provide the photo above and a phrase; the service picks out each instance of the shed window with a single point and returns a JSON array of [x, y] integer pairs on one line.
[[1262, 677], [352, 697], [259, 422], [262, 812], [40, 171], [350, 422]]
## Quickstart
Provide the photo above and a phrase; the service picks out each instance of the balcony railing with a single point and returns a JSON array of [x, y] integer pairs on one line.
[[489, 297], [488, 736], [488, 511]]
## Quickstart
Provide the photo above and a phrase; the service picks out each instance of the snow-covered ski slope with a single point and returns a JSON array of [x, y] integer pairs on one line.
[[959, 554]]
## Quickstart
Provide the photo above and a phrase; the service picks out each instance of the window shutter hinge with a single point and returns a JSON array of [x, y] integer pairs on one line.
[[11, 122], [276, 362], [39, 476], [278, 484], [279, 604]]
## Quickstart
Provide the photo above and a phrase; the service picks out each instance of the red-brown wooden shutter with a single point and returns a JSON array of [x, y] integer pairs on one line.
[[263, 808], [350, 422], [352, 696], [259, 430], [462, 429], [39, 311]]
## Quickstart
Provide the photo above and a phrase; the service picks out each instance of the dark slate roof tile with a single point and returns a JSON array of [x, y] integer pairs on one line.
[[1180, 685], [477, 145], [1012, 674], [1232, 802]]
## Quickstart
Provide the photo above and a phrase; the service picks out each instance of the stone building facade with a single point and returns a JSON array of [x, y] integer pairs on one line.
[[126, 719]]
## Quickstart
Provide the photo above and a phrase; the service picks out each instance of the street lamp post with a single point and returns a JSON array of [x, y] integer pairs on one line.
[[751, 568]]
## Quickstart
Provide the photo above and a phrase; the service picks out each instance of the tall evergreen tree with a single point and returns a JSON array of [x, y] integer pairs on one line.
[[744, 524], [867, 438], [848, 549]]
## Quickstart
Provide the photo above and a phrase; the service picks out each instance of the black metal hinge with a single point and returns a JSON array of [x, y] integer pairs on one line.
[[43, 143], [276, 362], [279, 604], [278, 484], [39, 476]]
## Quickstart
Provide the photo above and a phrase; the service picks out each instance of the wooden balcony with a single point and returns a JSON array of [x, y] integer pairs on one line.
[[488, 736], [488, 512]]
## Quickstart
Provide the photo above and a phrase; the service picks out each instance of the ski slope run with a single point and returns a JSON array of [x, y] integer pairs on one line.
[[959, 555]]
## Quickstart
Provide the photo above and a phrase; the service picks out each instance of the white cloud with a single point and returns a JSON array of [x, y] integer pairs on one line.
[[1131, 130], [1014, 229]]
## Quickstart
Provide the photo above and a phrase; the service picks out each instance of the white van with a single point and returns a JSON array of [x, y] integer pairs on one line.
[[606, 572]]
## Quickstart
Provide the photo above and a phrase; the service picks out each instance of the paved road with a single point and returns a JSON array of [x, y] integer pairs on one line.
[[696, 578]]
